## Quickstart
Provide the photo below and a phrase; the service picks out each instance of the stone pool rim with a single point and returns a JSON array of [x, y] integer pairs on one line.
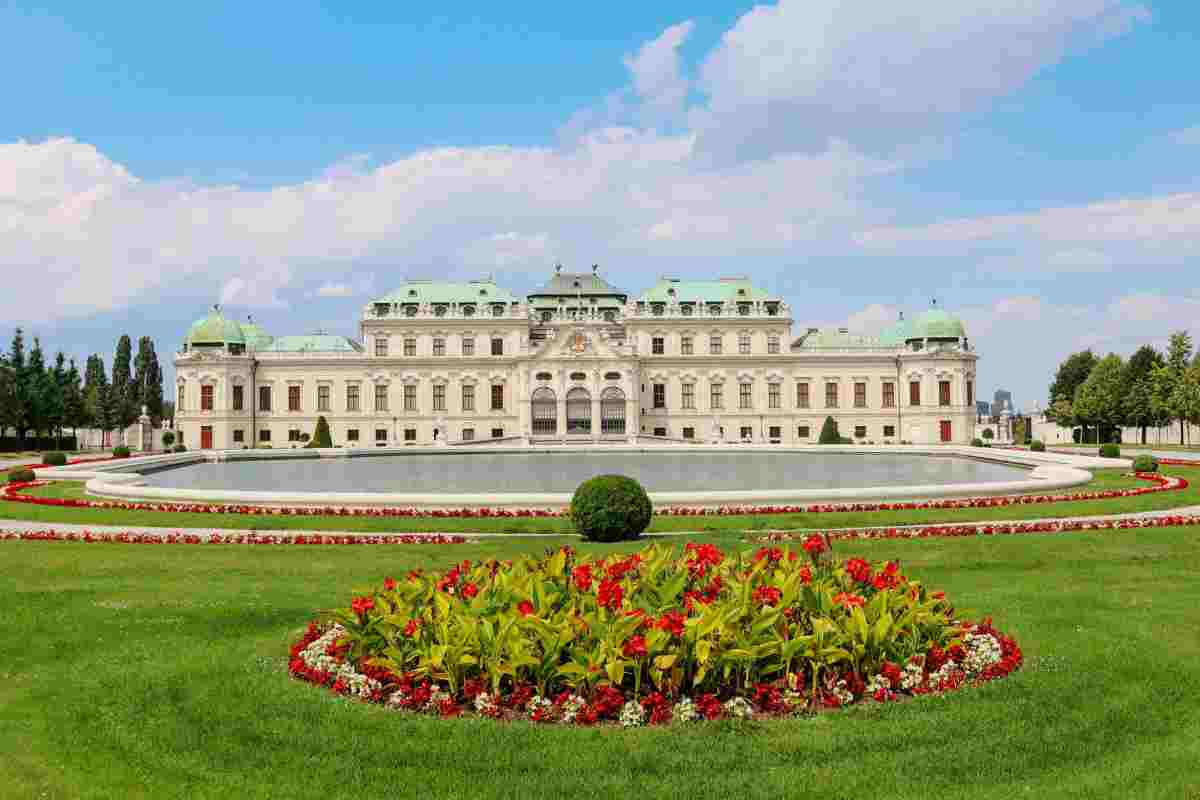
[[1049, 472]]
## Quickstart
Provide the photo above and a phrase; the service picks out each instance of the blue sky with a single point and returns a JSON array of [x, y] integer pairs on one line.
[[1035, 168]]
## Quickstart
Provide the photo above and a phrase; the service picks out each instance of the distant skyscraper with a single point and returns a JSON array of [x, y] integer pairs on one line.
[[999, 399], [983, 409]]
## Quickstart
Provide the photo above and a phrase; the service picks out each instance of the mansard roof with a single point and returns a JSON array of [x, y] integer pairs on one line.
[[429, 291], [570, 284], [718, 291], [313, 343]]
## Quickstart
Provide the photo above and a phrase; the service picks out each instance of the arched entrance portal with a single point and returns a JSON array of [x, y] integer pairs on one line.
[[579, 411], [612, 411], [545, 412]]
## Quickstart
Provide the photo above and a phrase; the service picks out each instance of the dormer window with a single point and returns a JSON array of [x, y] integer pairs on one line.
[[483, 292], [686, 309], [741, 292], [714, 309], [410, 310], [657, 309], [468, 310], [412, 292], [381, 309], [744, 309], [671, 292], [498, 310]]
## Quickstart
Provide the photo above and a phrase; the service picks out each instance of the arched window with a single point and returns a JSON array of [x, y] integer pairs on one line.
[[579, 411], [612, 411], [544, 376], [544, 412]]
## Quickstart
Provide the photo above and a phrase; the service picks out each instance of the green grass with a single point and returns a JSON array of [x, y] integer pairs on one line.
[[137, 671], [1105, 479]]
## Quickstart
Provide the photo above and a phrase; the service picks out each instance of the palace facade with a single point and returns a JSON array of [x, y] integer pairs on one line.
[[577, 361]]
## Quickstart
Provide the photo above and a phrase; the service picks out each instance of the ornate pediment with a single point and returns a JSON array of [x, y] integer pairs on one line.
[[581, 343]]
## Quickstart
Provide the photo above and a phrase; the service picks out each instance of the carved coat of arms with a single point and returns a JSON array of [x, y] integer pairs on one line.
[[579, 343]]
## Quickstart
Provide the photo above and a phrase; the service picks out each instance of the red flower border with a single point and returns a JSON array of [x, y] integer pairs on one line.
[[13, 493], [216, 537]]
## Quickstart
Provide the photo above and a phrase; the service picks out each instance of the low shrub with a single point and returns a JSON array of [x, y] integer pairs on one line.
[[120, 452], [1110, 451], [977, 442], [1145, 463], [179, 448], [168, 439], [21, 476], [988, 433], [610, 508], [1037, 446], [663, 635], [55, 459]]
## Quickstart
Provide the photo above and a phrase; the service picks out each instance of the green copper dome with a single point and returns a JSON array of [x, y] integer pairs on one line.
[[936, 324], [256, 337], [215, 330]]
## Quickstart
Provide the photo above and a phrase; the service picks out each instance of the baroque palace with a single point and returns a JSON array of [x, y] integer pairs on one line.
[[576, 361]]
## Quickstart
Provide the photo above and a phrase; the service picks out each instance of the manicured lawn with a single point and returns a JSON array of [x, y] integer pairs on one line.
[[1105, 479], [159, 671]]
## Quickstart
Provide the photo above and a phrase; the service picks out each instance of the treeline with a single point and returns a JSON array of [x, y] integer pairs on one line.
[[1147, 391], [39, 399]]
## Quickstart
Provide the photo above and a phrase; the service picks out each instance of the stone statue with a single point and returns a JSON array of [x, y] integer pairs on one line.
[[714, 430], [439, 432]]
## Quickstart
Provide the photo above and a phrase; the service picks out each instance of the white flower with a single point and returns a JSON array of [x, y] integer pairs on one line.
[[314, 657], [913, 677], [484, 704], [685, 711], [739, 708], [843, 695], [632, 714], [571, 708], [794, 701], [982, 651], [537, 702], [876, 683]]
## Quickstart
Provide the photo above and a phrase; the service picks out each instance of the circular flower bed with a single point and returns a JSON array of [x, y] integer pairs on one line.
[[663, 635]]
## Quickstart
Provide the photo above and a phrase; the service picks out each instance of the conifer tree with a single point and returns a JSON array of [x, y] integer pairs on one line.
[[123, 394]]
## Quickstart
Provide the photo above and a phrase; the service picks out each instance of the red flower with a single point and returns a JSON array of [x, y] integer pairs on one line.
[[582, 575], [389, 584], [470, 590], [859, 570], [891, 672], [609, 594], [814, 545], [771, 554], [767, 595], [848, 600], [672, 622], [361, 605], [412, 628], [805, 575], [525, 608], [635, 647]]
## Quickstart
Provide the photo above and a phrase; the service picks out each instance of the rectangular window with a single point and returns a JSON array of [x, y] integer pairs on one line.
[[745, 395], [381, 398], [889, 394], [660, 431], [943, 393], [803, 432], [716, 395], [889, 430], [239, 398], [802, 395], [352, 435], [689, 433], [322, 398], [860, 431], [914, 393], [468, 434], [410, 347], [831, 398], [497, 346], [439, 397], [971, 394], [294, 435], [660, 395], [468, 397], [352, 397], [179, 406], [497, 433], [468, 346], [746, 432], [744, 343], [775, 432], [688, 395], [381, 346], [381, 436], [439, 346], [685, 345], [293, 398], [657, 345], [410, 397], [239, 436], [773, 395], [498, 397], [264, 435], [773, 344], [714, 344], [860, 394], [264, 398], [410, 434], [206, 398]]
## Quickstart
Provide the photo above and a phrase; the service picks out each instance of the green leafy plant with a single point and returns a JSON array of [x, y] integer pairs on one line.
[[179, 448], [120, 452], [1110, 451], [21, 476], [988, 433], [610, 508], [1037, 446], [829, 433], [55, 459], [321, 436], [977, 442], [1145, 463], [168, 439]]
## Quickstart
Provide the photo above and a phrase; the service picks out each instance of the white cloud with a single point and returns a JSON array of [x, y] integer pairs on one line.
[[511, 250], [799, 72], [657, 73], [334, 290]]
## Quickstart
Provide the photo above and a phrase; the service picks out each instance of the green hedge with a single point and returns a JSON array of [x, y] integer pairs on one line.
[[21, 476], [1110, 451], [120, 452], [610, 508], [55, 459], [1145, 463], [1038, 446]]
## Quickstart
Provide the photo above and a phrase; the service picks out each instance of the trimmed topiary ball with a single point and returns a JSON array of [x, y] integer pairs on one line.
[[1110, 451], [21, 476], [1145, 463], [120, 452], [55, 459], [1038, 446], [610, 508], [977, 442]]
